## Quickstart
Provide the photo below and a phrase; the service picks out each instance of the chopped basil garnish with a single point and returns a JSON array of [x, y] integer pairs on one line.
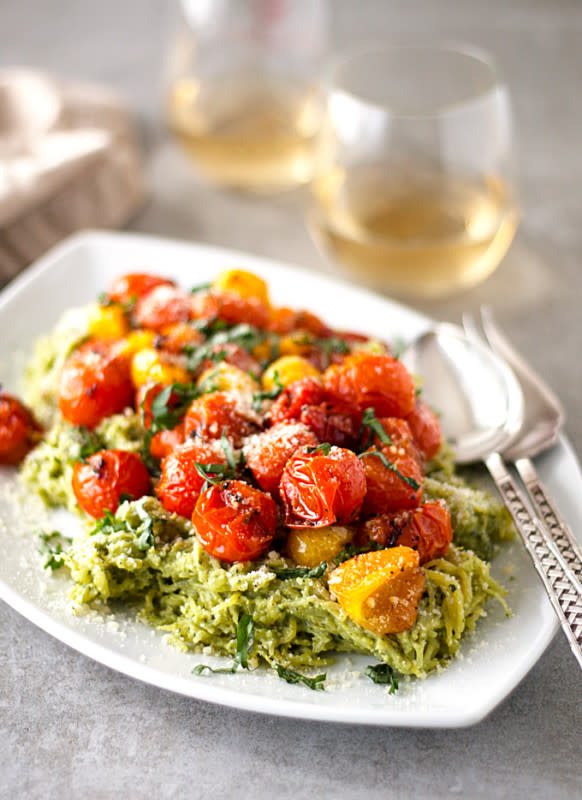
[[389, 465], [287, 573], [322, 449], [291, 676], [209, 471], [350, 550], [229, 452], [52, 546], [383, 673], [90, 443], [245, 640], [268, 394], [145, 531], [244, 335], [200, 288], [371, 421]]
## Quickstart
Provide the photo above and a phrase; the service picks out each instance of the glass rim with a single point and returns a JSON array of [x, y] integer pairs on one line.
[[350, 55]]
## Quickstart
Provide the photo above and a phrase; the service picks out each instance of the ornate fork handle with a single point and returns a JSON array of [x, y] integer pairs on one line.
[[551, 517], [567, 602]]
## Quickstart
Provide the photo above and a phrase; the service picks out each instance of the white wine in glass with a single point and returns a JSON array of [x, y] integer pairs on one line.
[[413, 189], [242, 89], [411, 233], [251, 132]]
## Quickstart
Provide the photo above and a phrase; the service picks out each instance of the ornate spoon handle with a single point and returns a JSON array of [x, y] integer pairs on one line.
[[567, 602]]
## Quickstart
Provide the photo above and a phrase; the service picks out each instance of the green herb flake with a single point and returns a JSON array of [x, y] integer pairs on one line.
[[291, 676], [288, 573], [371, 421], [350, 550], [268, 394], [52, 547], [244, 335], [414, 484], [245, 641], [384, 674], [320, 449], [89, 443]]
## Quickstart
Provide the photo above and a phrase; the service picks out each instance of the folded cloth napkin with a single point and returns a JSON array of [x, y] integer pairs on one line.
[[69, 159]]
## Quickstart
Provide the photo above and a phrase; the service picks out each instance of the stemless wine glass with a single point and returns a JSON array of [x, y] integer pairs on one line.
[[413, 191], [242, 96]]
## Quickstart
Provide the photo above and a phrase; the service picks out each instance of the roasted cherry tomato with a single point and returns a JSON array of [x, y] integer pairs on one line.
[[285, 320], [134, 285], [267, 453], [234, 354], [180, 482], [305, 392], [211, 415], [380, 590], [321, 487], [371, 380], [94, 384], [146, 395], [163, 442], [383, 529], [163, 306], [19, 431], [393, 480], [428, 531], [235, 522], [101, 480], [178, 337], [397, 435], [330, 419], [426, 430], [230, 307]]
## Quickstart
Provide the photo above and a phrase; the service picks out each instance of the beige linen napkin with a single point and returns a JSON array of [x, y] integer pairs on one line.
[[69, 160]]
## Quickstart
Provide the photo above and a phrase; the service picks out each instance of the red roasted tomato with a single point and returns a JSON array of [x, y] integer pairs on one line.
[[267, 453], [19, 431], [134, 285], [94, 384], [235, 522], [392, 486], [101, 480], [399, 434], [322, 487], [426, 430], [165, 305], [230, 307], [164, 442], [178, 337], [428, 530], [371, 380], [212, 414], [328, 416], [180, 482], [286, 320]]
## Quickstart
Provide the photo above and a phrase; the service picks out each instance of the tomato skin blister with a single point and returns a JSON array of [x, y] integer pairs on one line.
[[19, 430], [100, 482], [320, 489], [94, 384], [234, 521]]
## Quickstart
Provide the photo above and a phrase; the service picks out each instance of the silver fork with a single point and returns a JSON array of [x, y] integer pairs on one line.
[[543, 418]]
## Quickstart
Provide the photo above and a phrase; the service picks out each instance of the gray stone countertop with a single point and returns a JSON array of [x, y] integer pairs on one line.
[[70, 727]]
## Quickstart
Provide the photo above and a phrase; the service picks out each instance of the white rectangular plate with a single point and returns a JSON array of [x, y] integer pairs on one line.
[[492, 661]]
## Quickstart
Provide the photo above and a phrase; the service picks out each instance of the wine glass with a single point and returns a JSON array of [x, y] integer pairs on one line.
[[413, 191], [242, 95]]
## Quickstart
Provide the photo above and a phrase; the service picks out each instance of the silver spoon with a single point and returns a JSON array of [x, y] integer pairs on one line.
[[481, 409]]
